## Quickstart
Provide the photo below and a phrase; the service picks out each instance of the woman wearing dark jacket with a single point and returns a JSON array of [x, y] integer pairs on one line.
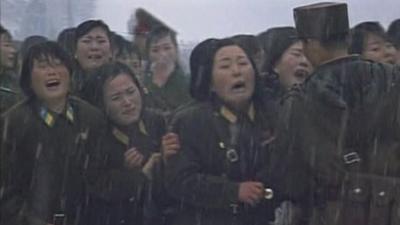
[[221, 173], [93, 49], [164, 77], [132, 148], [285, 64], [47, 143]]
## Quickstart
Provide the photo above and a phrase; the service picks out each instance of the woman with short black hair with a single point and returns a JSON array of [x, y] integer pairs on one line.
[[49, 145], [370, 41]]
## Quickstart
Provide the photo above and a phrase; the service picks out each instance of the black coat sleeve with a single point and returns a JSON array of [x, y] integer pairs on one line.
[[186, 177]]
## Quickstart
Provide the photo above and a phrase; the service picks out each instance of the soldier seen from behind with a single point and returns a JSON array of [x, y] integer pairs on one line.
[[393, 33], [342, 126]]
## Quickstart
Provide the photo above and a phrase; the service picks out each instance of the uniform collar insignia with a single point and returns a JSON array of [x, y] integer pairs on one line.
[[340, 58], [145, 91], [8, 90], [47, 116], [142, 128], [228, 114], [251, 113], [70, 113], [121, 136], [232, 118], [50, 118]]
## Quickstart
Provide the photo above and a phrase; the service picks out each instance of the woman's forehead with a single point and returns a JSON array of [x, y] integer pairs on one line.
[[228, 51], [46, 57]]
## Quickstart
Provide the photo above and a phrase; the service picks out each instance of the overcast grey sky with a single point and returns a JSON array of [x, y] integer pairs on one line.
[[196, 20]]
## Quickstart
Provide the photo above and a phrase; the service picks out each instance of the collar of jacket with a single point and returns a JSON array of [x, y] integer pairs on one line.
[[49, 117], [229, 115], [340, 59], [7, 90], [123, 137]]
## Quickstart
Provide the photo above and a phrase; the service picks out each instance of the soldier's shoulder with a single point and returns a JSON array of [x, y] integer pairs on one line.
[[18, 113], [194, 110], [195, 114], [153, 118], [17, 109], [374, 67], [380, 72]]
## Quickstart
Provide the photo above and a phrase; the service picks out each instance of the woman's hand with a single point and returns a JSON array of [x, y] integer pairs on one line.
[[251, 192], [133, 158], [148, 167], [170, 145]]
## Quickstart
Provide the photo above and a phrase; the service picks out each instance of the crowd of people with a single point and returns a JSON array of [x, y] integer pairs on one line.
[[292, 126]]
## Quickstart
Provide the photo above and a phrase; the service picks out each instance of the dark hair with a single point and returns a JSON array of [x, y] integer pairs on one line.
[[4, 31], [158, 33], [93, 91], [85, 27], [359, 34], [275, 41], [46, 50], [66, 39], [198, 60], [130, 48], [249, 42], [117, 42], [394, 33], [29, 42], [200, 86], [124, 47]]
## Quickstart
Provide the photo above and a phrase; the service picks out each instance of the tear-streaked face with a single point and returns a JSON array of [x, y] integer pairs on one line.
[[50, 79], [122, 100], [93, 49], [293, 67], [233, 76], [163, 49]]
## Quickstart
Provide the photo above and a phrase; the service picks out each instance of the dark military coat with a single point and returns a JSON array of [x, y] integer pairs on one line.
[[173, 94], [121, 193], [342, 134], [219, 149], [44, 162], [9, 91]]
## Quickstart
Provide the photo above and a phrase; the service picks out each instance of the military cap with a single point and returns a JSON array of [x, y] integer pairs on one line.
[[146, 22], [321, 20]]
